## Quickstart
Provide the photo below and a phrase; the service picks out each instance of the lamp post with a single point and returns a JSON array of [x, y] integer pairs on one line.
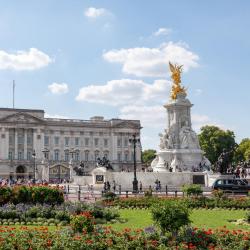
[[34, 164], [134, 141], [45, 174]]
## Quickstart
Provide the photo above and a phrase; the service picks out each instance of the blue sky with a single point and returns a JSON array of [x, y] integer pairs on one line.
[[79, 59]]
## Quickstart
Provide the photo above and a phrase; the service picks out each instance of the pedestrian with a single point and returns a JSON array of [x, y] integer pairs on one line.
[[114, 186], [108, 186], [140, 186]]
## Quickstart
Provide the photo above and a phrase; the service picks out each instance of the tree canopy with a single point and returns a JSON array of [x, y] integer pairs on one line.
[[243, 151], [148, 156], [213, 140]]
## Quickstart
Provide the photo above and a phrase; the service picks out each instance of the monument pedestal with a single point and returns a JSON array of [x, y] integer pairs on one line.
[[179, 160]]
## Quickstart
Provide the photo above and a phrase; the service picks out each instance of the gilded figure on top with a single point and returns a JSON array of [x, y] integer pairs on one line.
[[176, 71]]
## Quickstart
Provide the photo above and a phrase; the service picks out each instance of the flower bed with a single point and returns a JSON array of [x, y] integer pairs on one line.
[[105, 238], [31, 194], [51, 215]]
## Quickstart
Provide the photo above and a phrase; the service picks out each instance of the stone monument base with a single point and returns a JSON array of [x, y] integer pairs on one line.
[[177, 160]]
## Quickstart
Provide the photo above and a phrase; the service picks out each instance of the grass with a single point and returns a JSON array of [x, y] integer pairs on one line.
[[200, 218]]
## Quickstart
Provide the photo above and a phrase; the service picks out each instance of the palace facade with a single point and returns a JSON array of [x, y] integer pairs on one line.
[[29, 141]]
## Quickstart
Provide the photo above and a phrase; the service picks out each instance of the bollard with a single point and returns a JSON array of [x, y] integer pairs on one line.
[[68, 189], [102, 193], [79, 193], [120, 189], [166, 190], [126, 194], [175, 193]]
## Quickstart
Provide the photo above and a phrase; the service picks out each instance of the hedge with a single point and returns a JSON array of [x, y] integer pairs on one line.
[[31, 194]]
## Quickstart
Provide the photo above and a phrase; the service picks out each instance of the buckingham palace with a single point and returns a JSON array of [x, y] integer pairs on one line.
[[29, 141]]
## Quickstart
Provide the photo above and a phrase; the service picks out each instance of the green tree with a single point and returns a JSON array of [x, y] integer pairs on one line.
[[213, 140], [243, 151], [148, 156], [170, 216]]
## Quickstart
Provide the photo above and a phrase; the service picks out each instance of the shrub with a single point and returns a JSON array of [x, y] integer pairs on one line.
[[170, 216], [5, 195], [110, 196], [192, 189], [83, 221]]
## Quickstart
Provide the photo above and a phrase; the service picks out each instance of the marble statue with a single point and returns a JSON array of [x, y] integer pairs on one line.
[[179, 147]]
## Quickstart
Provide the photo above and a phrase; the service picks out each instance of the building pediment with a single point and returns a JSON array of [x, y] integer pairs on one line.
[[21, 117], [127, 124]]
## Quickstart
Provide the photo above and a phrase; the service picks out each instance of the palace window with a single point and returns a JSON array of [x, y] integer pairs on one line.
[[126, 156], [105, 142], [29, 139], [20, 155], [66, 141], [77, 156], [86, 141], [77, 141], [11, 140], [10, 155], [20, 139], [119, 156], [29, 154], [46, 140], [66, 156], [56, 140], [119, 142], [56, 155], [96, 142], [86, 156], [125, 142]]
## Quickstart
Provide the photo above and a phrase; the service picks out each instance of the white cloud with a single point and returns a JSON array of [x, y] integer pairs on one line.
[[58, 88], [162, 32], [94, 13], [125, 91], [150, 116], [152, 62], [24, 60]]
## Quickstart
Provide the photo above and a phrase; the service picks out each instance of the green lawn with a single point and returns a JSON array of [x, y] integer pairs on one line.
[[200, 218]]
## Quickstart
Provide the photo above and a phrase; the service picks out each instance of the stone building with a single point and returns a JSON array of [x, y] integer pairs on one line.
[[31, 144]]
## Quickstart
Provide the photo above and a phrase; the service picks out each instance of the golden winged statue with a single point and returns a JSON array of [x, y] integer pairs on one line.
[[176, 71]]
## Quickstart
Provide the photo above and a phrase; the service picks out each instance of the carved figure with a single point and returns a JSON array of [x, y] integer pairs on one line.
[[104, 162], [223, 161], [188, 138], [176, 77], [79, 169]]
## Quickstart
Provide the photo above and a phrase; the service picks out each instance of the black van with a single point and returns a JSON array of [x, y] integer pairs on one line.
[[232, 185]]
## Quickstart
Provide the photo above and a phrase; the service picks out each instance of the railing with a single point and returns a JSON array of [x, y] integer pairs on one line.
[[87, 193]]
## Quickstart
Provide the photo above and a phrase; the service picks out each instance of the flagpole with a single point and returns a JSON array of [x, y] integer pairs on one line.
[[14, 94]]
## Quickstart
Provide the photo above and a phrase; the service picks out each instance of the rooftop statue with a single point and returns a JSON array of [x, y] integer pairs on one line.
[[176, 71]]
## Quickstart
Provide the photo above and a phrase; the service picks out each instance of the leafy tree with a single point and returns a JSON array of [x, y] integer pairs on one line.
[[243, 151], [170, 216], [148, 156], [213, 140]]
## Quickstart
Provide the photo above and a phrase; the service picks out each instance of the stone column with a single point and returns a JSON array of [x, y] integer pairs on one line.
[[25, 141], [16, 144]]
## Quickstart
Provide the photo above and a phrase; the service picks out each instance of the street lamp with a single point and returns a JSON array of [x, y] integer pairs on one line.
[[134, 141], [34, 163]]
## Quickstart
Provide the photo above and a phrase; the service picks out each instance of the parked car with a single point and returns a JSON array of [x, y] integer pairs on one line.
[[232, 185]]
